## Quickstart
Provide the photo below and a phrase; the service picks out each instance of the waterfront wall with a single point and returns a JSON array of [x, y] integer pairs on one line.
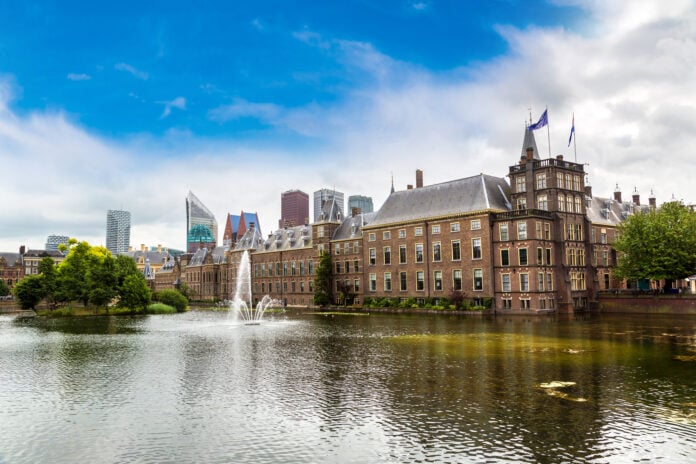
[[648, 304]]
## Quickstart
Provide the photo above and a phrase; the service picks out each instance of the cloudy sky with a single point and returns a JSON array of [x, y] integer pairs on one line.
[[131, 105]]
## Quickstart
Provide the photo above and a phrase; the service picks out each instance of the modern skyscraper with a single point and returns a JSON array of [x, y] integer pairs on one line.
[[117, 231], [324, 195], [52, 241], [294, 208], [363, 203], [201, 226]]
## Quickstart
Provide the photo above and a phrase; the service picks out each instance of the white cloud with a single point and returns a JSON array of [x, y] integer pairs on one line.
[[78, 77], [131, 70], [631, 89], [178, 102]]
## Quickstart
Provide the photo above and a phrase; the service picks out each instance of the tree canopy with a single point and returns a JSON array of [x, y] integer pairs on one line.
[[659, 244], [323, 289]]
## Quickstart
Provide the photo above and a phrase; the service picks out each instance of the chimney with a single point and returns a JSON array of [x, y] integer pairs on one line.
[[559, 157], [652, 201], [588, 191], [617, 194], [636, 196], [523, 160], [22, 250], [159, 248], [354, 211], [419, 178], [251, 225], [306, 221], [530, 153], [409, 187]]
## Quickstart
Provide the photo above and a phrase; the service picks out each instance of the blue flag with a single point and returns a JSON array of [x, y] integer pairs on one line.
[[572, 131], [543, 121]]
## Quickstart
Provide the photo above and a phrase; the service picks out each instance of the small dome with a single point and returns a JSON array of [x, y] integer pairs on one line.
[[200, 233]]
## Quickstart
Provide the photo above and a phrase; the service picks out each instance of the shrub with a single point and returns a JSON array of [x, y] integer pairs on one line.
[[172, 298], [161, 308]]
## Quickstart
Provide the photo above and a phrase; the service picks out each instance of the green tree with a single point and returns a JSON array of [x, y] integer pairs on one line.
[[47, 268], [101, 277], [134, 292], [659, 244], [30, 291], [323, 288], [172, 298], [72, 273], [4, 289]]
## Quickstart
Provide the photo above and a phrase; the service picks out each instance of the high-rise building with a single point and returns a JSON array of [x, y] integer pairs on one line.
[[294, 209], [52, 242], [118, 225], [324, 195], [201, 226], [362, 203]]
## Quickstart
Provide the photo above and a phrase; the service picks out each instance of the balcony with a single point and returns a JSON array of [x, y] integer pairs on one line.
[[523, 213]]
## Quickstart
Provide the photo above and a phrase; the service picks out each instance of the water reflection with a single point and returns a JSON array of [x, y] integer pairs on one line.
[[197, 387]]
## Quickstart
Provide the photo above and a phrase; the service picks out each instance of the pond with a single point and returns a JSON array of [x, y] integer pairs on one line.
[[347, 388]]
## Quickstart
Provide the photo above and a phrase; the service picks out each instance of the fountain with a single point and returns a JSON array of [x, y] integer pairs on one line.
[[241, 305]]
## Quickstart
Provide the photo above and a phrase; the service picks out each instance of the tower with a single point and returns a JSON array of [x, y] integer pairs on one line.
[[117, 231], [294, 208], [201, 226]]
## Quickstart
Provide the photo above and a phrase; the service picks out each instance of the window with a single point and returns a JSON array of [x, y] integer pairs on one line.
[[478, 280], [540, 256], [524, 282], [581, 257], [576, 183], [475, 224], [541, 181], [456, 251], [454, 227], [548, 257], [505, 257], [310, 267], [578, 232], [561, 202], [475, 248], [277, 269], [338, 267], [320, 231], [386, 235], [285, 269], [571, 257], [418, 231], [559, 180], [438, 280], [506, 282], [539, 232], [605, 258], [436, 229], [521, 231], [301, 286], [387, 282], [547, 231], [504, 234], [346, 266], [520, 184], [578, 205], [436, 252], [568, 182], [523, 256], [356, 266], [346, 248], [603, 236], [355, 247], [522, 203], [525, 304], [402, 233], [356, 285], [549, 282], [387, 255], [542, 203], [402, 281], [373, 282], [301, 268], [540, 282], [373, 256], [570, 232], [569, 203], [293, 268], [420, 284], [419, 252], [606, 281], [507, 303], [402, 254], [372, 237], [457, 279]]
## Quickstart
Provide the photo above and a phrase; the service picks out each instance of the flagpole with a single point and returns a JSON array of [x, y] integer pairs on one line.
[[575, 139], [548, 130]]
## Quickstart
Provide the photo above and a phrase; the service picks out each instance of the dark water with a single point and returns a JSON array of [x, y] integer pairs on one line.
[[302, 388]]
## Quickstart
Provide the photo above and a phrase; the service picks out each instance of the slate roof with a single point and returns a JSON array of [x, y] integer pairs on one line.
[[529, 141], [154, 256], [251, 239], [11, 258], [471, 194], [351, 227], [290, 238], [330, 211], [607, 211]]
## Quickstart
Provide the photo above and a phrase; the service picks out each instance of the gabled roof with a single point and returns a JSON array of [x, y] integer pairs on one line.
[[609, 212], [289, 238], [11, 258], [351, 227], [471, 194], [251, 240]]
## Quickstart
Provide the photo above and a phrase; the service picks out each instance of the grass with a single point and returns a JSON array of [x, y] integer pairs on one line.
[[71, 311]]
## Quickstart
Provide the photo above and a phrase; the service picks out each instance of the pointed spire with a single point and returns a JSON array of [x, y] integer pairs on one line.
[[392, 183], [529, 141]]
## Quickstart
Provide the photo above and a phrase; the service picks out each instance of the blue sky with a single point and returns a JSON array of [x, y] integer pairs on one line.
[[130, 105]]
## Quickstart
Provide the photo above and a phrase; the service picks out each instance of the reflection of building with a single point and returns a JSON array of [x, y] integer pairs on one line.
[[201, 226], [117, 231], [52, 242], [294, 209], [323, 196], [362, 203]]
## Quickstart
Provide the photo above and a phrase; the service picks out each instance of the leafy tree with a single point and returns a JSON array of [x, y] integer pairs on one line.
[[660, 244], [323, 288], [30, 291], [72, 274], [134, 292], [172, 298], [4, 289], [101, 277], [47, 268]]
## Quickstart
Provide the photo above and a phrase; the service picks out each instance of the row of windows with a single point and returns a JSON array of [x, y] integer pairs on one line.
[[455, 248], [543, 231], [566, 181], [543, 257], [475, 224], [346, 266], [286, 268], [347, 247], [525, 303], [293, 287], [477, 281], [544, 282]]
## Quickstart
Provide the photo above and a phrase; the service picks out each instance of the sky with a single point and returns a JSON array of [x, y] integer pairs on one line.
[[131, 105]]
